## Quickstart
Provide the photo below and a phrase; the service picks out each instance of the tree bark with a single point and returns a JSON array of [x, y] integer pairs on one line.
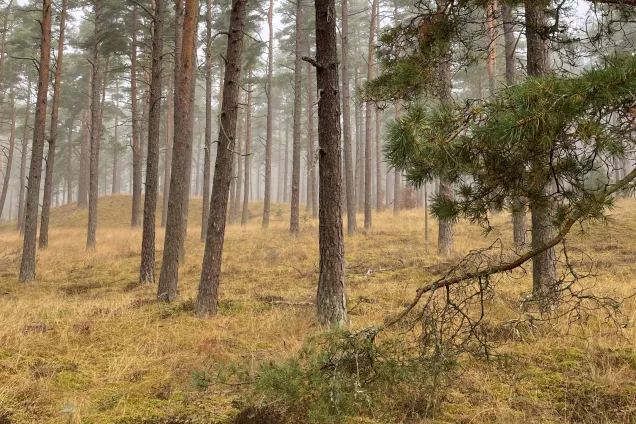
[[239, 167], [23, 158], [167, 290], [268, 141], [50, 160], [352, 225], [3, 45], [7, 171], [147, 267], [311, 150], [208, 121], [136, 142], [331, 299], [286, 176], [82, 183], [543, 264], [207, 299], [248, 150], [168, 154], [368, 155], [295, 185], [492, 45], [27, 267]]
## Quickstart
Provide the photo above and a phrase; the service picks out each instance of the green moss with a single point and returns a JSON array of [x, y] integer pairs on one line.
[[71, 380]]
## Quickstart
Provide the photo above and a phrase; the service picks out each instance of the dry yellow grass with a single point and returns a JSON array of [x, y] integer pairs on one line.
[[84, 344]]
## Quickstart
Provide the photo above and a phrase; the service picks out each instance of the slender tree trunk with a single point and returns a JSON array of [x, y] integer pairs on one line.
[[369, 114], [23, 158], [3, 45], [295, 185], [248, 150], [167, 290], [50, 160], [207, 299], [147, 267], [279, 186], [492, 45], [311, 150], [379, 194], [397, 186], [239, 169], [96, 131], [331, 299], [27, 267], [268, 142], [135, 220], [286, 177], [69, 161], [7, 171], [116, 171], [360, 162], [543, 264], [352, 225], [208, 121], [168, 158], [82, 183], [510, 41]]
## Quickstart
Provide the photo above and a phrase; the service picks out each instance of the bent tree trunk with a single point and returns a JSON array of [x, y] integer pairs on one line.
[[27, 267], [50, 160], [147, 267], [331, 299], [207, 299]]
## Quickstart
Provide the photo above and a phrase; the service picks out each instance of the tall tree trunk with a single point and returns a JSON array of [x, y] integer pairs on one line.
[[311, 150], [248, 150], [208, 121], [295, 185], [168, 154], [268, 141], [239, 168], [69, 159], [116, 170], [379, 194], [543, 264], [50, 160], [444, 86], [352, 225], [136, 142], [368, 155], [27, 267], [82, 183], [7, 171], [167, 291], [492, 45], [23, 158], [360, 164], [147, 267], [331, 299], [207, 299], [510, 41], [286, 177], [397, 186], [3, 45]]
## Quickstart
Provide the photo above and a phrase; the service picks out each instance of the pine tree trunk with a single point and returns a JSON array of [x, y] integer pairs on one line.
[[208, 121], [295, 184], [96, 132], [492, 45], [397, 186], [207, 299], [23, 158], [378, 164], [368, 155], [311, 150], [286, 177], [331, 299], [82, 183], [147, 267], [544, 264], [168, 154], [248, 150], [360, 162], [27, 267], [352, 225], [3, 45], [7, 171], [239, 168], [445, 233], [268, 141], [50, 160], [69, 161], [116, 171], [135, 220], [510, 41], [168, 279]]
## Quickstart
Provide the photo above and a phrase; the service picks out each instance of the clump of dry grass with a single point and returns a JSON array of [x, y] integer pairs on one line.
[[85, 343]]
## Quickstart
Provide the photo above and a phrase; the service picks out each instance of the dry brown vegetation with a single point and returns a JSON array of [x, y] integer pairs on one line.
[[86, 344]]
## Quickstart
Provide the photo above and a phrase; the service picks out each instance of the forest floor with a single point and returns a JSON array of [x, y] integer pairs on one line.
[[86, 344]]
